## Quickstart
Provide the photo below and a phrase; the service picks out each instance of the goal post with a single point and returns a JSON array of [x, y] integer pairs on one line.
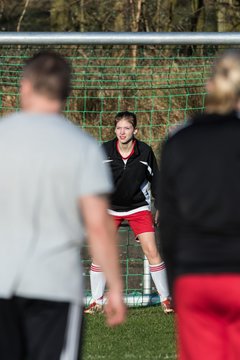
[[159, 76]]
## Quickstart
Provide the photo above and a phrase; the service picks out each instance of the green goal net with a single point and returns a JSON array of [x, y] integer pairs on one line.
[[163, 85]]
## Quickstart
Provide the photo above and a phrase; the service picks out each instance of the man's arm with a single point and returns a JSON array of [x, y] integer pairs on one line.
[[102, 238]]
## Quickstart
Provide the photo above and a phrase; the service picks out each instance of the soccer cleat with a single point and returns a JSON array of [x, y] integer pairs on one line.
[[167, 306], [94, 308]]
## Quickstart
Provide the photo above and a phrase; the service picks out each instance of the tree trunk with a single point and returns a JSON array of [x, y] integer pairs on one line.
[[119, 8], [60, 16], [210, 15], [135, 9], [198, 15], [81, 16]]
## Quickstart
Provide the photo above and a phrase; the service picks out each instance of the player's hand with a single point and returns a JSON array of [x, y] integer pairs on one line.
[[156, 219], [115, 309]]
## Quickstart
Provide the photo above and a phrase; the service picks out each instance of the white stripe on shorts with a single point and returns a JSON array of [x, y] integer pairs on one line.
[[73, 333]]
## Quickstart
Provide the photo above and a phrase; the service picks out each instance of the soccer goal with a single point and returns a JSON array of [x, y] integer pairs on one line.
[[160, 77]]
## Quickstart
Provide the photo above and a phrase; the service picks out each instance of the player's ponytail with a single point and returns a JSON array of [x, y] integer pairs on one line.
[[224, 86]]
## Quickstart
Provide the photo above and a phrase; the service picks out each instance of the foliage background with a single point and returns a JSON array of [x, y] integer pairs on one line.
[[120, 15], [164, 85]]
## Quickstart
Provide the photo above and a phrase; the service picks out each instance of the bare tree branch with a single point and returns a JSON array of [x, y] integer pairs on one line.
[[22, 15]]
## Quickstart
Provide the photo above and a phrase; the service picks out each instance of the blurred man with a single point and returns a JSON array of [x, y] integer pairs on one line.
[[53, 189]]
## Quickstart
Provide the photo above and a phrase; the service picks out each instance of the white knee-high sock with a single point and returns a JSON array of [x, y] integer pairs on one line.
[[98, 282], [159, 276]]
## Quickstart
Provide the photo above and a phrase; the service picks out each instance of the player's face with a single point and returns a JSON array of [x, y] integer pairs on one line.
[[124, 131]]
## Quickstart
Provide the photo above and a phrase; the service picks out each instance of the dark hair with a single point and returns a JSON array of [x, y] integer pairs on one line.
[[50, 74], [128, 116]]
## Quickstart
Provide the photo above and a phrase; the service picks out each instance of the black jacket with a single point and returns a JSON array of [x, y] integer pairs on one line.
[[131, 180], [200, 197]]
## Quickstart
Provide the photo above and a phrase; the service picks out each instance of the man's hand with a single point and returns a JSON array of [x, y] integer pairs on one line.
[[115, 308]]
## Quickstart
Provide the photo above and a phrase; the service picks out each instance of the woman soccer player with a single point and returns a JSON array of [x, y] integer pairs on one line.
[[200, 220], [134, 168]]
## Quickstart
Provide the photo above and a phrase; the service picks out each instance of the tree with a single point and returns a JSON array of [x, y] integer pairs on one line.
[[60, 16], [198, 15]]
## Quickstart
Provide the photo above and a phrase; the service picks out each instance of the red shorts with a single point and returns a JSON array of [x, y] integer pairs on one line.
[[208, 316], [140, 222]]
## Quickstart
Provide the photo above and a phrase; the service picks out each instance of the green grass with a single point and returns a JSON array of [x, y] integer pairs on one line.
[[147, 334]]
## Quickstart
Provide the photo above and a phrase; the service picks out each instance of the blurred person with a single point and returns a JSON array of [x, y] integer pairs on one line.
[[135, 172], [200, 220], [53, 188]]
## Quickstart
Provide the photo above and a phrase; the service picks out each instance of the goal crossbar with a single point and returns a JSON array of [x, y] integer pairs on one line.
[[119, 38]]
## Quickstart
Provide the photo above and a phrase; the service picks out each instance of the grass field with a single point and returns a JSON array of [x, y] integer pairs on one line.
[[148, 334]]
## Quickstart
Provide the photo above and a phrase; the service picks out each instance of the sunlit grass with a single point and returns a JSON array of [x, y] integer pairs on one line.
[[147, 334]]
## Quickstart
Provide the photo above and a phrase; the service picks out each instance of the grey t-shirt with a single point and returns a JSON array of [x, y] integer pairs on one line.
[[46, 165]]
